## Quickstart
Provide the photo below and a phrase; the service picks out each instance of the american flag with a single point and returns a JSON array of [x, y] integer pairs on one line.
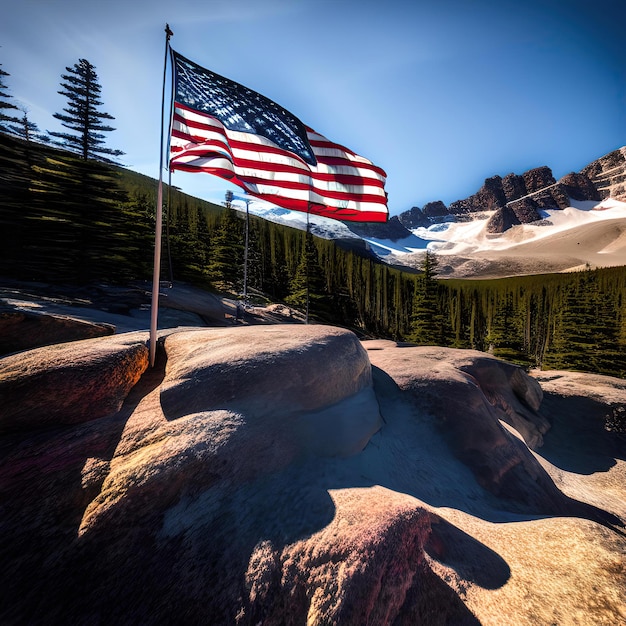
[[223, 128]]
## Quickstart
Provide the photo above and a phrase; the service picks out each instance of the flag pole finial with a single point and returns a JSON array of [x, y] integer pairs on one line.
[[168, 32]]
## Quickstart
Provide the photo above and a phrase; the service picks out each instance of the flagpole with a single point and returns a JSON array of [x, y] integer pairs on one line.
[[245, 256], [306, 252], [156, 273]]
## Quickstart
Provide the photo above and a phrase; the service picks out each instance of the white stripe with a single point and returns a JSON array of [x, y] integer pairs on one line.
[[189, 158], [214, 162]]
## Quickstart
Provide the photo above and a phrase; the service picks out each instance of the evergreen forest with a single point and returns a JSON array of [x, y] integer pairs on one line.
[[69, 220]]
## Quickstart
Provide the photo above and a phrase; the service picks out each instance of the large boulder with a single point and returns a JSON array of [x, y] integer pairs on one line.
[[247, 401], [471, 394], [69, 383]]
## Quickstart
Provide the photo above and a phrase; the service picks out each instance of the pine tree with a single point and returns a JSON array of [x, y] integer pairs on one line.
[[225, 267], [6, 106], [427, 321], [308, 285], [81, 116], [26, 129]]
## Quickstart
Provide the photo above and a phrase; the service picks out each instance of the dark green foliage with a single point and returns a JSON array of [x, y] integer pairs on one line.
[[65, 219], [308, 287], [225, 263], [81, 116], [574, 321], [428, 323], [8, 108]]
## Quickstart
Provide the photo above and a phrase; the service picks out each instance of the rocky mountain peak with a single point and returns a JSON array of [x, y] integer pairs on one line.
[[416, 217], [517, 199], [608, 174], [393, 229]]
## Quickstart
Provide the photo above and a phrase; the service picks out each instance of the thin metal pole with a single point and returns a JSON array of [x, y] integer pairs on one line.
[[156, 273], [245, 255], [167, 225], [306, 252]]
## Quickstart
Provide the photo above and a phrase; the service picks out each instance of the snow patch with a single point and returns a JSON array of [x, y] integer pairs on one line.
[[455, 238]]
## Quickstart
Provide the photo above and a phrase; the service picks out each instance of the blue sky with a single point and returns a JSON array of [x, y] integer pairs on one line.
[[440, 94]]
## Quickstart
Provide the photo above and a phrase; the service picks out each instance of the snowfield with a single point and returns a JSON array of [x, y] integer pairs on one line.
[[585, 234]]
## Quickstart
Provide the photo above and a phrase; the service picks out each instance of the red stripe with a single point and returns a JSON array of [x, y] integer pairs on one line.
[[217, 171], [197, 148], [347, 179], [208, 127], [282, 184], [317, 209], [334, 160], [288, 184], [200, 141]]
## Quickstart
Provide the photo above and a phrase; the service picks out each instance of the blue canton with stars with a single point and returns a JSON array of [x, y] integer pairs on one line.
[[239, 108]]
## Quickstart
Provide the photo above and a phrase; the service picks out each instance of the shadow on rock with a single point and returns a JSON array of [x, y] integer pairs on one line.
[[578, 440], [48, 477], [472, 560]]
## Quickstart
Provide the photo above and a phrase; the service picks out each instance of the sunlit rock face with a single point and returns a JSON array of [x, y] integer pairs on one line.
[[608, 174], [69, 383], [289, 474]]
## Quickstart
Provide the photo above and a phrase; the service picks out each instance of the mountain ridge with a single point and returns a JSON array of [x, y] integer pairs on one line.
[[517, 198]]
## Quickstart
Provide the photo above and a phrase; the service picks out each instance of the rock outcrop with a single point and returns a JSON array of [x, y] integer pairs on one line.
[[414, 218], [69, 383], [287, 474], [435, 209], [393, 229], [578, 186], [513, 186], [471, 393], [22, 329], [502, 220], [517, 199], [608, 174]]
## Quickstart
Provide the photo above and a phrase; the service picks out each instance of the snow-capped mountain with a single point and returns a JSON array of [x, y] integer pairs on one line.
[[566, 232]]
